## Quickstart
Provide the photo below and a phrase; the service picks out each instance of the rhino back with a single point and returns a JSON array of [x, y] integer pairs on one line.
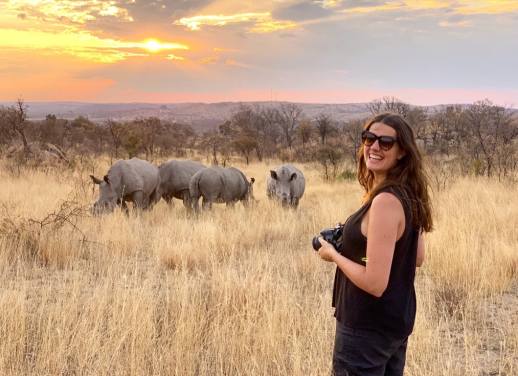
[[119, 175], [209, 182], [235, 184], [176, 175], [141, 175]]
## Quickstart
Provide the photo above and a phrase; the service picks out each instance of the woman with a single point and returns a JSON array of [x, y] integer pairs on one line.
[[373, 294]]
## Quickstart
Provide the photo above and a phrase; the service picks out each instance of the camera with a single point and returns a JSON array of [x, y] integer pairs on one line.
[[330, 235]]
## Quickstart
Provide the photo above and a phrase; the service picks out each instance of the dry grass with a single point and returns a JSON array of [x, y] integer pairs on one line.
[[237, 292]]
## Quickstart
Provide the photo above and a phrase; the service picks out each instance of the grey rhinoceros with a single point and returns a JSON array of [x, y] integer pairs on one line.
[[174, 180], [132, 180], [222, 185], [286, 183]]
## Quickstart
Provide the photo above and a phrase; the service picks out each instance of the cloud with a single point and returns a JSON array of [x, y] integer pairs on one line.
[[174, 57], [261, 22], [486, 6], [450, 24], [82, 45], [69, 11], [234, 63], [301, 11]]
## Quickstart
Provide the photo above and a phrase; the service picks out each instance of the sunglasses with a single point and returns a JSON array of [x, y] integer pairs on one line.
[[385, 142]]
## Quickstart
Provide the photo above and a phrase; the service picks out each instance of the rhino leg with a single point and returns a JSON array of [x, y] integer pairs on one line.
[[187, 200], [154, 198], [206, 204], [138, 200], [124, 207], [168, 197]]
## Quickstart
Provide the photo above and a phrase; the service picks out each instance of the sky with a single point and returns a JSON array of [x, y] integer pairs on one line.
[[317, 51]]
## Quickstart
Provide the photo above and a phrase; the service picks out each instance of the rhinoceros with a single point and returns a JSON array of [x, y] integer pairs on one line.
[[131, 180], [174, 180], [286, 183], [222, 185]]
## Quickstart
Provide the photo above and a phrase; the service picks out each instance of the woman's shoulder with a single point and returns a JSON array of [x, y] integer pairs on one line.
[[387, 200]]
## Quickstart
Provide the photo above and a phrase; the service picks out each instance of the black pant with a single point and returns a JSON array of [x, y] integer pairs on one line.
[[363, 352]]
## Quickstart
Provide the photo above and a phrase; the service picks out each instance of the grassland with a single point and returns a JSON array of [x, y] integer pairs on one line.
[[236, 291]]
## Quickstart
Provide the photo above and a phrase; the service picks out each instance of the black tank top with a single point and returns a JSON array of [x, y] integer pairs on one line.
[[393, 313]]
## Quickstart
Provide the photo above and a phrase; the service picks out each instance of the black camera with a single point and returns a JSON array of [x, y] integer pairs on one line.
[[330, 235]]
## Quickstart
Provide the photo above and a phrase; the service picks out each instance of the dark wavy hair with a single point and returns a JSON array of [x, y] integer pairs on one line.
[[407, 176]]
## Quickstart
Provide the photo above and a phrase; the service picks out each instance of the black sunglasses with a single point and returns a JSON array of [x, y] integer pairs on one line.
[[385, 142]]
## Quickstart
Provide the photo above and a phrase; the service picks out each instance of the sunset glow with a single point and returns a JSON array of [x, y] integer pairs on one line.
[[313, 51]]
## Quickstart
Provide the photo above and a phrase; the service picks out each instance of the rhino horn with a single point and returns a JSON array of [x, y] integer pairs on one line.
[[95, 180], [273, 174]]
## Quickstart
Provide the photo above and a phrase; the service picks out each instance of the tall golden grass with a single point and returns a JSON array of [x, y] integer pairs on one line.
[[236, 291]]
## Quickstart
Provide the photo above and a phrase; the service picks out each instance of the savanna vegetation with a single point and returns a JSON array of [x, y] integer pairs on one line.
[[240, 291]]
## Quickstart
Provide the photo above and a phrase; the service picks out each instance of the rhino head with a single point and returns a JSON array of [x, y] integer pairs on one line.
[[107, 196], [282, 185]]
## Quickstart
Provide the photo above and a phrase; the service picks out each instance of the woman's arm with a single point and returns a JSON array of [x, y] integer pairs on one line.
[[385, 216], [420, 250]]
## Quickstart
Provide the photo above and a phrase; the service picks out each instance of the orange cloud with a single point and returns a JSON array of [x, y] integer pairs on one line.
[[486, 6], [263, 22], [81, 44], [448, 24], [72, 11]]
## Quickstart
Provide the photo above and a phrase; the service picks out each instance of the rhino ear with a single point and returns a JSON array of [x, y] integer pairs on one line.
[[273, 174], [293, 176], [252, 180], [95, 180], [106, 179]]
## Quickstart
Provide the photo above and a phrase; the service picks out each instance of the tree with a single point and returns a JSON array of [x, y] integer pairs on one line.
[[289, 117], [52, 130], [389, 104], [329, 158], [305, 131], [353, 137], [325, 127], [245, 145], [15, 117], [116, 130], [148, 129], [493, 131]]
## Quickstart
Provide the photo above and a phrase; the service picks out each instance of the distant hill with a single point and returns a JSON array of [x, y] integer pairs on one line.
[[200, 116]]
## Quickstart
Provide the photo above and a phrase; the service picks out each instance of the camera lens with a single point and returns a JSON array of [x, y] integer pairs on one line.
[[316, 243]]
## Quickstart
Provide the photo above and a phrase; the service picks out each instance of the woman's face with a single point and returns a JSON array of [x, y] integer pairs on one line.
[[377, 160]]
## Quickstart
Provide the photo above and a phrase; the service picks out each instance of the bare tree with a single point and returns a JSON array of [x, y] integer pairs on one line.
[[290, 114], [493, 130], [389, 104], [149, 129], [15, 116], [329, 158], [305, 131], [325, 127], [116, 132], [245, 145], [272, 131], [212, 142], [353, 131]]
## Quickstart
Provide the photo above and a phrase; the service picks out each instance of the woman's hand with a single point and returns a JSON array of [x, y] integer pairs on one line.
[[327, 252]]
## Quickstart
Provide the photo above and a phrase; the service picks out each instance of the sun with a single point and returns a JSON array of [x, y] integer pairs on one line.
[[153, 45]]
